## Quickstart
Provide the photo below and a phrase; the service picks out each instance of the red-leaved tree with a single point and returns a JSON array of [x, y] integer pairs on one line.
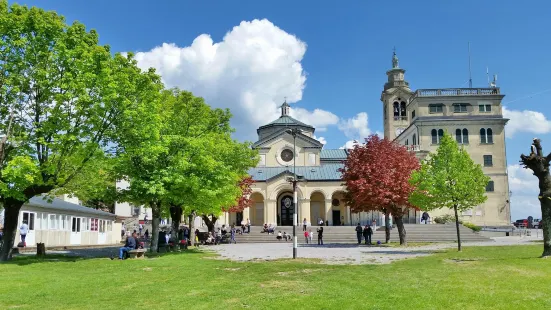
[[242, 202], [376, 175]]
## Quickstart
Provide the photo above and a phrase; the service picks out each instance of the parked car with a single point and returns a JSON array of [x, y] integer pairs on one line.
[[521, 223], [536, 223]]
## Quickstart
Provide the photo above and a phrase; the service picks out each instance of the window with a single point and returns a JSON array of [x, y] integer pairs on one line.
[[403, 110], [85, 225], [396, 109], [75, 227], [460, 107], [413, 114], [490, 186], [436, 108], [486, 136], [94, 224], [488, 161], [484, 108], [101, 226], [437, 135], [53, 222], [462, 136], [414, 139], [109, 226]]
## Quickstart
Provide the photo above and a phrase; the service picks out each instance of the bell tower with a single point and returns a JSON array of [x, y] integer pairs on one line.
[[395, 97]]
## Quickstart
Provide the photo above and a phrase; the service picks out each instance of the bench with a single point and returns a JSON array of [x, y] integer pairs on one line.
[[136, 254]]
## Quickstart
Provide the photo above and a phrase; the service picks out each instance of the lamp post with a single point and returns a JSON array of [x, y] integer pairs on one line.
[[294, 133]]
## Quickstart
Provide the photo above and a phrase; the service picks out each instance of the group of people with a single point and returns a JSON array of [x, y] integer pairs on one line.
[[268, 228], [285, 236], [364, 232]]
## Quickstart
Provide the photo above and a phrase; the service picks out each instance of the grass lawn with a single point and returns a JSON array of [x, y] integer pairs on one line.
[[478, 278]]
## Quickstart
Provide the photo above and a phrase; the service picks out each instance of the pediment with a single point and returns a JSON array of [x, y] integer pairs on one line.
[[302, 140]]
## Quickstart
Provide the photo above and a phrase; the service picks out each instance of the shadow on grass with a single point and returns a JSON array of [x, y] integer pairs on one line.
[[80, 255]]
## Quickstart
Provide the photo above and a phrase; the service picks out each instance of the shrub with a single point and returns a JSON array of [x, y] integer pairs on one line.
[[472, 226], [448, 218]]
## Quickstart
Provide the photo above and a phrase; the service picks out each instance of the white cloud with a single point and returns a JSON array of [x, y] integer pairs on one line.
[[349, 144], [250, 71], [524, 187], [526, 121], [321, 140], [356, 127]]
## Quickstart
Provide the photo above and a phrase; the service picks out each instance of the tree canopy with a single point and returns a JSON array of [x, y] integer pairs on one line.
[[62, 99], [376, 175], [449, 179]]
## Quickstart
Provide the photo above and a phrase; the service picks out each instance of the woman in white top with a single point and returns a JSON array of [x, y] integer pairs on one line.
[[304, 224], [279, 235]]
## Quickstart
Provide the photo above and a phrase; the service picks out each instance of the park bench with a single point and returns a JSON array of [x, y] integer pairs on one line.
[[136, 254]]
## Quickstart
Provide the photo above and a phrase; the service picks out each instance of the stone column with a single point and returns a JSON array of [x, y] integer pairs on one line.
[[247, 212], [269, 211], [349, 216], [328, 211], [304, 211]]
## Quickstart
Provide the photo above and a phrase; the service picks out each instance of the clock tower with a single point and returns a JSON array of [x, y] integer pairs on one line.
[[395, 97]]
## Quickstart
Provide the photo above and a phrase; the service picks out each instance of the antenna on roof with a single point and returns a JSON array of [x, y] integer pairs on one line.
[[470, 76], [487, 75]]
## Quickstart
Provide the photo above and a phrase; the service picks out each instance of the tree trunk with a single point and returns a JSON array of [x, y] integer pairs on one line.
[[176, 216], [192, 227], [398, 219], [11, 216], [155, 217], [210, 223], [457, 228], [387, 226], [546, 220], [40, 249]]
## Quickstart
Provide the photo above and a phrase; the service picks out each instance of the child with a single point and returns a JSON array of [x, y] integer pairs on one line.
[[306, 236]]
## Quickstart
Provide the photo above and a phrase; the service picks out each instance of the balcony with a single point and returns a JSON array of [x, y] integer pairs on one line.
[[446, 92]]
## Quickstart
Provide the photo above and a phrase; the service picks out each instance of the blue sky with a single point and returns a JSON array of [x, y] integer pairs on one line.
[[348, 48]]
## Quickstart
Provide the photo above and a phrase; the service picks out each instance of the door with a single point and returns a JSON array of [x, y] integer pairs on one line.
[[29, 219], [336, 218], [101, 232], [75, 230], [238, 218], [287, 211]]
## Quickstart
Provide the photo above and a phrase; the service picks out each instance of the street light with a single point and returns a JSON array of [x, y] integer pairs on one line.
[[294, 133]]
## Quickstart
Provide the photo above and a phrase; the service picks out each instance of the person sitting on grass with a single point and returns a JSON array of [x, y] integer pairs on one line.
[[129, 245], [279, 237]]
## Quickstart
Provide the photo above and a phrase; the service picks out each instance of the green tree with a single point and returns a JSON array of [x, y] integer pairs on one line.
[[449, 179], [62, 97], [192, 163]]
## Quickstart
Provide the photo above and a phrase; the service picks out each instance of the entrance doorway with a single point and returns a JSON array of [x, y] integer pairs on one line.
[[287, 210], [336, 218], [29, 217], [238, 218], [75, 230]]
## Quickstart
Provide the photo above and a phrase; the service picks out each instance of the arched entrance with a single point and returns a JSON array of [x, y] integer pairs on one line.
[[256, 211], [317, 208], [286, 210]]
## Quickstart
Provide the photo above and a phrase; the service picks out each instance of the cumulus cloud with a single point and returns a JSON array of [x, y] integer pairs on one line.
[[350, 144], [526, 121], [321, 140], [356, 127], [524, 187], [250, 71]]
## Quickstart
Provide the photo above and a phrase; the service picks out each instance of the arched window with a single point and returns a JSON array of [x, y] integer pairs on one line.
[[482, 135], [434, 135], [396, 109], [407, 142], [489, 136], [403, 110], [465, 136], [440, 135], [414, 139], [458, 137]]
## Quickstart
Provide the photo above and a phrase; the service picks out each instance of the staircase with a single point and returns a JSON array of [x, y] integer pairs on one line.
[[347, 234]]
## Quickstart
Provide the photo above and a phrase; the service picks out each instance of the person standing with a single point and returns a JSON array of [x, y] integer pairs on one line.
[[145, 219], [23, 230], [140, 229], [248, 226], [233, 234], [320, 235], [359, 233], [304, 224], [306, 236], [425, 217], [310, 235], [123, 230], [367, 234]]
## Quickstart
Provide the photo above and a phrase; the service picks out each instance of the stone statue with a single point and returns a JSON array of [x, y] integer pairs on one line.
[[394, 60], [539, 165]]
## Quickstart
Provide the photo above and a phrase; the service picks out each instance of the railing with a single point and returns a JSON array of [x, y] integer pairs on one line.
[[456, 92], [413, 148], [400, 118]]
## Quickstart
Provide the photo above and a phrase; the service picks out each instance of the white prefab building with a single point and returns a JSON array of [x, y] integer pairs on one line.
[[62, 223]]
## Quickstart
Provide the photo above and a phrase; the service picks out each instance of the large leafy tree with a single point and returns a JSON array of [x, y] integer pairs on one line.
[[449, 179], [191, 163], [539, 164], [376, 175], [62, 96]]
